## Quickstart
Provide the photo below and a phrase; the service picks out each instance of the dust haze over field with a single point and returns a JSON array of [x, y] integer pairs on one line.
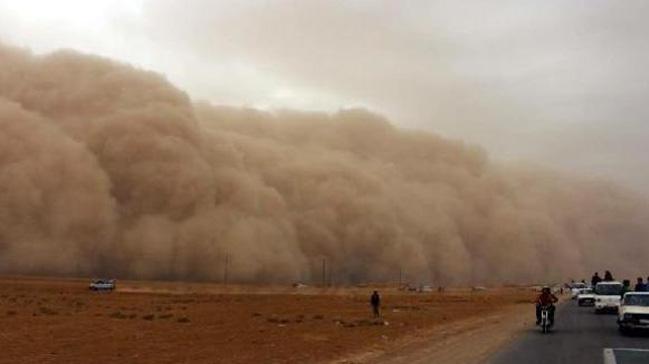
[[107, 169]]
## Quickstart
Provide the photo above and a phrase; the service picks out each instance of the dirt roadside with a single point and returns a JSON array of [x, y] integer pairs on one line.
[[467, 341], [59, 321]]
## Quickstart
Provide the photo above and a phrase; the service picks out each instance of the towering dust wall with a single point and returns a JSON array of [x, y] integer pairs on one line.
[[105, 169]]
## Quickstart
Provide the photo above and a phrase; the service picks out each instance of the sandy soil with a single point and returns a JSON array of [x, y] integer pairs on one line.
[[469, 341], [60, 321]]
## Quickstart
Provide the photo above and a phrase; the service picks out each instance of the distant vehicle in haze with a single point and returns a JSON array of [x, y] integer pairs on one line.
[[634, 312], [576, 288], [607, 296], [102, 285], [586, 297]]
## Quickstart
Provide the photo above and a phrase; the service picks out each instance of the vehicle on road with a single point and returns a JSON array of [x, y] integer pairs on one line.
[[586, 297], [634, 312], [545, 319], [576, 288], [102, 285], [607, 296]]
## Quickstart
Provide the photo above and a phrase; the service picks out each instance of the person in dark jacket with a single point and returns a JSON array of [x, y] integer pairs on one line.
[[640, 286], [546, 298], [375, 301], [608, 277], [596, 279], [626, 287]]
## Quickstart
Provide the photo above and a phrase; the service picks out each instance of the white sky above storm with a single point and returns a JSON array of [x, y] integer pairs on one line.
[[556, 82]]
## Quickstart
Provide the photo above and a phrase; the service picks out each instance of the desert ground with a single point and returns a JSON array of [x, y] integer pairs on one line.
[[57, 320]]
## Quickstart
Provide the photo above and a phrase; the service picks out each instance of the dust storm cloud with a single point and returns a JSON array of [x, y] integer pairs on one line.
[[107, 169]]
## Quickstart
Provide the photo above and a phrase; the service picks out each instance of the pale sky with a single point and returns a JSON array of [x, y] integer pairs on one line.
[[562, 83]]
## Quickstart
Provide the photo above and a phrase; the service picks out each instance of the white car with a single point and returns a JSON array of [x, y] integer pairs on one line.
[[607, 296], [586, 297], [576, 288], [102, 285], [634, 311]]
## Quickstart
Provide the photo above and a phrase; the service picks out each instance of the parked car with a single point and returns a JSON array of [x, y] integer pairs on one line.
[[607, 296], [102, 285], [634, 312], [586, 297]]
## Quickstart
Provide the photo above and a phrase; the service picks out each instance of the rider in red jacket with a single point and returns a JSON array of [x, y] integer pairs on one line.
[[546, 298]]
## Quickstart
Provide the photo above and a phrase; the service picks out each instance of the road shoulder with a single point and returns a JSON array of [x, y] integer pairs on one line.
[[472, 340]]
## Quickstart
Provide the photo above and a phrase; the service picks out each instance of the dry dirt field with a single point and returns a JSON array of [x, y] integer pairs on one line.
[[48, 320]]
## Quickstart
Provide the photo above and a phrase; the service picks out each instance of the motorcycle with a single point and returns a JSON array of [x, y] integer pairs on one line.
[[545, 319]]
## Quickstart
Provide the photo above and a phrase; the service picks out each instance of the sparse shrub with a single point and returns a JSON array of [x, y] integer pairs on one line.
[[166, 316], [48, 311], [183, 320], [318, 317], [184, 300], [148, 317], [11, 313], [117, 315]]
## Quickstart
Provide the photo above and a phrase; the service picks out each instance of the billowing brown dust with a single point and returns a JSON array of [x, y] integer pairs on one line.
[[106, 169]]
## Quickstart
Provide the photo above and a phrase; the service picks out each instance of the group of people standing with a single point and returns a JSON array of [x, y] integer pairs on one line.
[[640, 285], [608, 277]]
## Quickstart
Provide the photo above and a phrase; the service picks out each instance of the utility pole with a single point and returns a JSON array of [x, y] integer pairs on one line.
[[324, 271], [225, 270], [400, 277], [329, 282]]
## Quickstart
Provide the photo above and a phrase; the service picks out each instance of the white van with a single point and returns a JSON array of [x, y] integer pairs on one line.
[[608, 296]]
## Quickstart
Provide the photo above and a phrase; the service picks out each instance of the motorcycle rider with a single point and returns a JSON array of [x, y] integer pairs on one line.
[[546, 298]]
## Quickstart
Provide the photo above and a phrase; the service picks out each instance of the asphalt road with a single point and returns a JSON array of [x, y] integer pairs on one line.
[[579, 336]]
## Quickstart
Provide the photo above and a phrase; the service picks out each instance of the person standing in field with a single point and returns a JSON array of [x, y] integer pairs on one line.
[[608, 277], [375, 301]]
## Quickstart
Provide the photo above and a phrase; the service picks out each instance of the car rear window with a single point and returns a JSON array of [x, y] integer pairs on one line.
[[636, 300], [608, 289]]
